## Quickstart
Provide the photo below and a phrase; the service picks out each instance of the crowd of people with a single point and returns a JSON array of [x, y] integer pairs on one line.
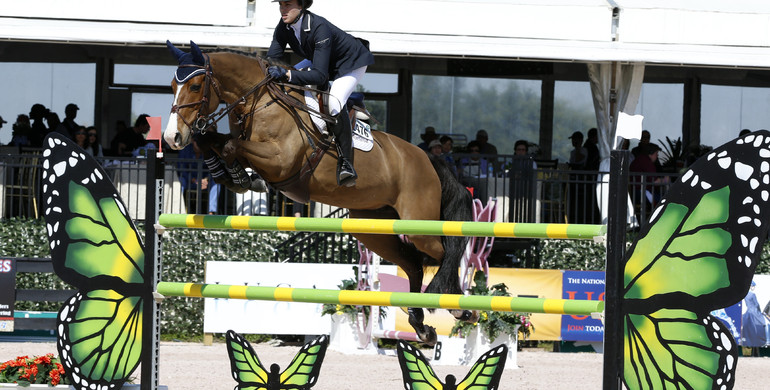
[[29, 130]]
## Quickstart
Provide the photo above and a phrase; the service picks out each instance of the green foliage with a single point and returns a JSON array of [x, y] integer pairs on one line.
[[350, 310], [581, 255], [493, 323], [26, 371], [185, 252]]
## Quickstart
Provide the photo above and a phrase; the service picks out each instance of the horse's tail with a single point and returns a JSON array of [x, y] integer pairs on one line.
[[456, 205]]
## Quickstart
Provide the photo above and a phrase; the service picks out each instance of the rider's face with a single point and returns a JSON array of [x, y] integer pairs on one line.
[[290, 10]]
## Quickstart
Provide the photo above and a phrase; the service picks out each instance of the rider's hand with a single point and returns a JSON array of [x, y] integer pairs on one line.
[[277, 73]]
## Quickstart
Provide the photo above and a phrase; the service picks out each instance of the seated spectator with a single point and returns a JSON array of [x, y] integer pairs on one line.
[[94, 146], [427, 136], [474, 171], [81, 138], [434, 148], [189, 176], [126, 141], [447, 145], [22, 131]]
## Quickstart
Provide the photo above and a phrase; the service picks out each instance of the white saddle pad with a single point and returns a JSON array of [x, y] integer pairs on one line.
[[362, 132]]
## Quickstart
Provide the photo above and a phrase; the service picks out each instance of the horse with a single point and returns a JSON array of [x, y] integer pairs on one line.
[[274, 136]]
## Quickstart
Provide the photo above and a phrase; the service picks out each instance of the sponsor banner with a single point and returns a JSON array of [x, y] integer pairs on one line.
[[537, 283], [7, 293], [273, 317], [588, 285]]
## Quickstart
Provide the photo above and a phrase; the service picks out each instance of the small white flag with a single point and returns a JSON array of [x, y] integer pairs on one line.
[[629, 126]]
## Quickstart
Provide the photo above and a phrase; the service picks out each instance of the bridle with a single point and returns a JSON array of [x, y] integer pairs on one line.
[[278, 92], [203, 121]]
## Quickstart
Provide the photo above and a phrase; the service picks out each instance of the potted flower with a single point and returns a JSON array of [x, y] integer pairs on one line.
[[350, 324], [40, 371], [493, 327]]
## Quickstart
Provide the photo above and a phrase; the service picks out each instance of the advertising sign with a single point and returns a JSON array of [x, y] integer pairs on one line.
[[587, 285], [7, 293]]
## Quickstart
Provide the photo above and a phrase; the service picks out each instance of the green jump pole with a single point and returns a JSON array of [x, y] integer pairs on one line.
[[385, 226], [382, 298]]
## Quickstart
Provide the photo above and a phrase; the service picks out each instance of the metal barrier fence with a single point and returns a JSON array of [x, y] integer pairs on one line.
[[527, 190]]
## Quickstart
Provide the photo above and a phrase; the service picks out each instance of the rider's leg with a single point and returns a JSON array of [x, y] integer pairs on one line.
[[339, 92], [346, 175]]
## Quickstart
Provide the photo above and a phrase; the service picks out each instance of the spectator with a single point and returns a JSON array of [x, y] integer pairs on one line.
[[474, 171], [644, 163], [427, 136], [592, 150], [578, 155], [37, 114], [80, 137], [94, 146], [484, 146], [435, 148], [70, 113], [22, 131], [2, 121], [54, 124], [521, 152], [642, 141], [126, 141], [189, 171], [447, 144]]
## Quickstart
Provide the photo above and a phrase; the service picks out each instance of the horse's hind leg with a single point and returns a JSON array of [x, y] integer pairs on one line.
[[406, 256]]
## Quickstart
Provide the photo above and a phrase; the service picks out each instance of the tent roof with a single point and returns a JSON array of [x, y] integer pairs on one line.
[[707, 32]]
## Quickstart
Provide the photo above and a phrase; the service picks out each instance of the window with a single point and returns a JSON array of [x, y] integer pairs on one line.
[[726, 110], [53, 85]]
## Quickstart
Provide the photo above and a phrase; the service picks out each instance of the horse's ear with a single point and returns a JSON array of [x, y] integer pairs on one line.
[[197, 54], [175, 51]]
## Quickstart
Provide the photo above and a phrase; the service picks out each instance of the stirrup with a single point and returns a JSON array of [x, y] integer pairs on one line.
[[346, 174]]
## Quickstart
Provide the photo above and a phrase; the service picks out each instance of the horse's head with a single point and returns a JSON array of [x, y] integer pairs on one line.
[[192, 85]]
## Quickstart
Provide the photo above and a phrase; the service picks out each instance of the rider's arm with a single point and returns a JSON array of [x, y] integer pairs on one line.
[[318, 73], [278, 45]]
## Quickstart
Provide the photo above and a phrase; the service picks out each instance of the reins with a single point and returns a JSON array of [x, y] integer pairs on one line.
[[204, 121]]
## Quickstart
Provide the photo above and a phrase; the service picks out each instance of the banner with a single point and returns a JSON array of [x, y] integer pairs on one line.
[[7, 293], [588, 285]]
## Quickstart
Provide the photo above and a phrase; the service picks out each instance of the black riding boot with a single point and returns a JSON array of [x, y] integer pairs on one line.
[[346, 175]]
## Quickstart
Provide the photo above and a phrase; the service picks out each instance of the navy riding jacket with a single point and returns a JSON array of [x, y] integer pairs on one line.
[[332, 51]]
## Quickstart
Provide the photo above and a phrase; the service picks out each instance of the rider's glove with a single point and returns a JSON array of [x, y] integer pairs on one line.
[[277, 73]]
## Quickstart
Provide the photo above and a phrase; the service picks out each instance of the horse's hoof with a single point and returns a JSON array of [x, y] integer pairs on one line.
[[428, 335]]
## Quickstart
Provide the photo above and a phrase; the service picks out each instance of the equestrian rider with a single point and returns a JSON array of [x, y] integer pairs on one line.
[[335, 56]]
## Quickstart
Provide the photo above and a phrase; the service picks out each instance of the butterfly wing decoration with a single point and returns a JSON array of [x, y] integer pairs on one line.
[[697, 254], [94, 247], [419, 375], [250, 373]]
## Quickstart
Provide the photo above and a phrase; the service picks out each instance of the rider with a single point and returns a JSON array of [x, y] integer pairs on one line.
[[335, 56]]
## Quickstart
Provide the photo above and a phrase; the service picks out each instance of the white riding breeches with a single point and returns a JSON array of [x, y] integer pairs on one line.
[[342, 87]]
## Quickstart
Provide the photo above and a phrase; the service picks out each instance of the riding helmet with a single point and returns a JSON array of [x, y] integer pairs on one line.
[[304, 3]]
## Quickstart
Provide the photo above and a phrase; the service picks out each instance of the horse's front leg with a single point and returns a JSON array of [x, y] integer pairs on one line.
[[231, 174]]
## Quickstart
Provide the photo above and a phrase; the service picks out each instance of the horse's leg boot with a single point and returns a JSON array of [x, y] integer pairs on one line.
[[239, 175], [346, 174], [215, 168]]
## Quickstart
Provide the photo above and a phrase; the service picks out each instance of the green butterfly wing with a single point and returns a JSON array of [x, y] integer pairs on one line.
[[415, 369], [486, 372], [96, 248], [246, 368], [697, 254], [302, 372]]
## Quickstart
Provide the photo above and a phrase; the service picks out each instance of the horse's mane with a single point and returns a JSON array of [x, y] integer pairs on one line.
[[245, 54], [270, 61]]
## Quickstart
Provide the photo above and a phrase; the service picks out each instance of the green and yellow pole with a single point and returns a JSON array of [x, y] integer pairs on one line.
[[385, 226], [382, 298]]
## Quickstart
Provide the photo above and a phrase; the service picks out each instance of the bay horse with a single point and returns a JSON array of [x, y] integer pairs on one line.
[[275, 137]]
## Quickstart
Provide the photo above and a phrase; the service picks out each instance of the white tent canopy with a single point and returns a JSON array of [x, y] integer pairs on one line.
[[706, 32]]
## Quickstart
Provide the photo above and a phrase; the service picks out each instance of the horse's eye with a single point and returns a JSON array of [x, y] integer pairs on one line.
[[195, 87]]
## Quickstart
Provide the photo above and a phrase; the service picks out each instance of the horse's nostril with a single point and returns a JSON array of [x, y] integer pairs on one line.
[[178, 138]]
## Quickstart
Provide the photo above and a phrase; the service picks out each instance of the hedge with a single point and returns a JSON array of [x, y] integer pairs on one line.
[[185, 251]]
